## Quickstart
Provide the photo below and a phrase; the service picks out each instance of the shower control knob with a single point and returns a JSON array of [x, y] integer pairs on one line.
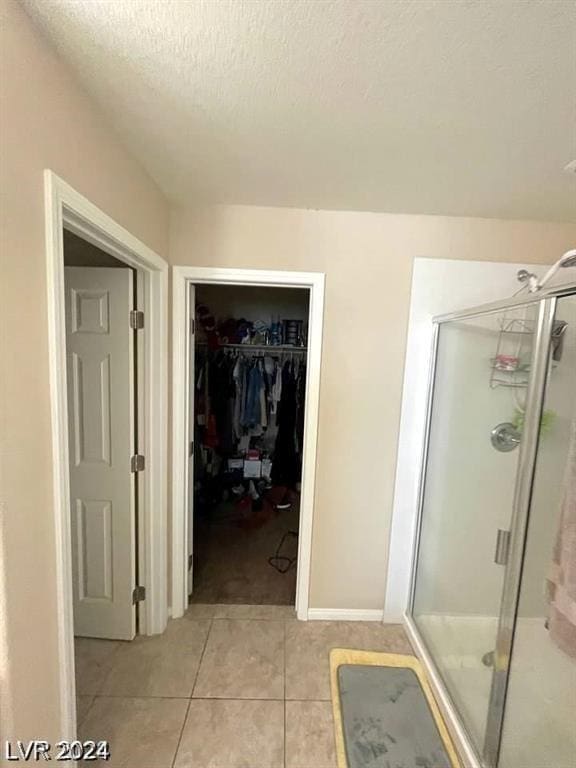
[[505, 437]]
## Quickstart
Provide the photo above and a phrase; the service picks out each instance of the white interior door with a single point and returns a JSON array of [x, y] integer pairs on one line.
[[191, 430], [100, 365]]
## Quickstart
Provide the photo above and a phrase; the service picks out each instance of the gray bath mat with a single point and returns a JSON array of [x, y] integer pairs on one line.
[[386, 718]]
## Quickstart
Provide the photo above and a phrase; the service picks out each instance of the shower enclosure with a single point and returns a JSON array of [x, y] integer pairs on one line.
[[502, 405]]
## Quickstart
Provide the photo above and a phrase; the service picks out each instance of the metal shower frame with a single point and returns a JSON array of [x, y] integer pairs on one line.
[[545, 301]]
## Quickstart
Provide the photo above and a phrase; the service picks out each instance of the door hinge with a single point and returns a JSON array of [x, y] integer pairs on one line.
[[138, 595], [192, 448], [136, 319], [137, 463], [502, 547], [192, 326]]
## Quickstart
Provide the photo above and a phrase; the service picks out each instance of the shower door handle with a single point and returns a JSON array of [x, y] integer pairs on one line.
[[502, 547]]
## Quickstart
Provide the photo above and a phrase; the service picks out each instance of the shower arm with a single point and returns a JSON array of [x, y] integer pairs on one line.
[[567, 260]]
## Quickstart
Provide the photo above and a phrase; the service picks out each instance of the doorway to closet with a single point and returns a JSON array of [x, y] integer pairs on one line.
[[247, 390], [246, 385]]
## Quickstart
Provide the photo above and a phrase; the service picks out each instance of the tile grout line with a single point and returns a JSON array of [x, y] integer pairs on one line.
[[136, 696], [111, 660], [284, 632], [197, 698], [203, 698], [201, 659], [284, 629], [248, 618], [284, 733], [190, 697], [173, 763], [79, 722]]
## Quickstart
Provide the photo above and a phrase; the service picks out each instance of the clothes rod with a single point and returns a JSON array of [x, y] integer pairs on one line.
[[258, 347]]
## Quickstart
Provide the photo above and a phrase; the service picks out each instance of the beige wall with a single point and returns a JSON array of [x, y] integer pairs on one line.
[[367, 259], [47, 122]]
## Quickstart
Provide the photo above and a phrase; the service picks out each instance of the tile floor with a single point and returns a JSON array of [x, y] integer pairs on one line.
[[227, 686]]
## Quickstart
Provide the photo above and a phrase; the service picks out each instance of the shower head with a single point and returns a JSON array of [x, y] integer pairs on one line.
[[567, 260]]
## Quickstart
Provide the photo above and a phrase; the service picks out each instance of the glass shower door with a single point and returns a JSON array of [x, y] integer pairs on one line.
[[475, 430], [540, 713]]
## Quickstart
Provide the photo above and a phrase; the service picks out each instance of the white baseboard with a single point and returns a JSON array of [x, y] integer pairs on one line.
[[345, 614]]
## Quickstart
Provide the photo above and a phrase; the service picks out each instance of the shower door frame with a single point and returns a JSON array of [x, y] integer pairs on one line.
[[545, 300]]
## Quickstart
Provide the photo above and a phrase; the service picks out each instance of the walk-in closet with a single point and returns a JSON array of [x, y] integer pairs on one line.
[[247, 405]]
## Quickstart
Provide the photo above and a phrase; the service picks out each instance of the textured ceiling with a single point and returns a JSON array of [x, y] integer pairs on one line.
[[462, 107]]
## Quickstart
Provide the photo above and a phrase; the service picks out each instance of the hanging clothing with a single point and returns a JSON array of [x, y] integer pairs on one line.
[[300, 407], [222, 392], [253, 414], [237, 376], [245, 400], [285, 460], [276, 393], [561, 584]]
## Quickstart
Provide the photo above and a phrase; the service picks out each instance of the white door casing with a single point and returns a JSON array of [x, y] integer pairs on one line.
[[65, 207], [191, 431], [100, 365], [182, 278]]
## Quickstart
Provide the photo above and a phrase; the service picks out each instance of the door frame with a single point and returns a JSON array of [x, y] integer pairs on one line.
[[67, 208], [182, 276]]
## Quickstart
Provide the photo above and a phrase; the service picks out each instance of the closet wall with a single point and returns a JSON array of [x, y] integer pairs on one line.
[[367, 258], [254, 303]]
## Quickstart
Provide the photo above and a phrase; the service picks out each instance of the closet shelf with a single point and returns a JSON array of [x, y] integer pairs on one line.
[[260, 347]]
